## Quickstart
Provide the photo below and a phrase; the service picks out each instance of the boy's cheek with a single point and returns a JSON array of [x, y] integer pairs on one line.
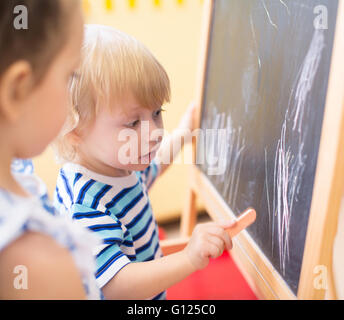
[[127, 153], [115, 154], [118, 154]]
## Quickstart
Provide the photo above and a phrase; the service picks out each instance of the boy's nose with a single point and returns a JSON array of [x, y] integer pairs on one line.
[[155, 132]]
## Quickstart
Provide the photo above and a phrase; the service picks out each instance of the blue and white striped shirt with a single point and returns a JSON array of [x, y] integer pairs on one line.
[[117, 209]]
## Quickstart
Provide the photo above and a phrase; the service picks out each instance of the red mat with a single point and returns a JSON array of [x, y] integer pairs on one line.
[[220, 280]]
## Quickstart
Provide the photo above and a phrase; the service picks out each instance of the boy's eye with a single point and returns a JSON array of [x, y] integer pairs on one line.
[[133, 124], [158, 112]]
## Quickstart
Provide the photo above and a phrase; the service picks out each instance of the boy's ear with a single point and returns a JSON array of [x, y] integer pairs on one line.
[[73, 138], [15, 86]]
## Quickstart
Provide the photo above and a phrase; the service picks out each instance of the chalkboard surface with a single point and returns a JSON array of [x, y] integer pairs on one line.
[[266, 82]]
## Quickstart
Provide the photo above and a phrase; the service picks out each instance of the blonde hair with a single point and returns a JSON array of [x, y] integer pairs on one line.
[[113, 64]]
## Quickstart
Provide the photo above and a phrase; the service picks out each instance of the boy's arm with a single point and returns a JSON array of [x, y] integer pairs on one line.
[[172, 144], [170, 148], [116, 275], [151, 173], [142, 280]]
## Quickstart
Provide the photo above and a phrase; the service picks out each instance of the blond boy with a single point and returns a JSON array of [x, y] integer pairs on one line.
[[112, 146]]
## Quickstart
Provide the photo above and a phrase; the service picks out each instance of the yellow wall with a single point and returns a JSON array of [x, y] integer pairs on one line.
[[172, 31]]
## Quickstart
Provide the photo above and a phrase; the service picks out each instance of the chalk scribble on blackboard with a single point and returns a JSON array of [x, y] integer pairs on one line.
[[267, 188], [290, 163], [233, 171], [268, 14], [285, 6], [255, 42], [216, 144], [227, 146], [309, 70]]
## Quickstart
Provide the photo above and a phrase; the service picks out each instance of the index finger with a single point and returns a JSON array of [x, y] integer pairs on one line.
[[244, 220]]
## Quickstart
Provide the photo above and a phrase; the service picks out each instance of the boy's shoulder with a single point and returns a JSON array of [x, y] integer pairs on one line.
[[78, 186], [150, 174]]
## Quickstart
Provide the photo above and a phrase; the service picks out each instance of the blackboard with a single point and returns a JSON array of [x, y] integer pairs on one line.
[[265, 87]]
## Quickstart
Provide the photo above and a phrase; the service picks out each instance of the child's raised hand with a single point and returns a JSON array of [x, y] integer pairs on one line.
[[208, 240], [189, 118]]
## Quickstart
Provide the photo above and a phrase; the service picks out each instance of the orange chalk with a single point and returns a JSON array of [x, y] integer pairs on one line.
[[242, 222]]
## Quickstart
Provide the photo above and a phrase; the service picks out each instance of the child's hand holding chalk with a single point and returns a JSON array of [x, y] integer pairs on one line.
[[242, 222], [209, 240], [245, 219]]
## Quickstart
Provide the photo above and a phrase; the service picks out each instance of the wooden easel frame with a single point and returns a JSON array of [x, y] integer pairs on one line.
[[328, 189]]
